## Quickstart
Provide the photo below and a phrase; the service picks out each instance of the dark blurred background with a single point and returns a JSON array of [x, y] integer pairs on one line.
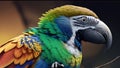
[[16, 16]]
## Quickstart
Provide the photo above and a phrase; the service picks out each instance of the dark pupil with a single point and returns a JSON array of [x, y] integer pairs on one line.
[[83, 19]]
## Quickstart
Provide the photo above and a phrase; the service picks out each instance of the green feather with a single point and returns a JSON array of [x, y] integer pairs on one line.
[[56, 50]]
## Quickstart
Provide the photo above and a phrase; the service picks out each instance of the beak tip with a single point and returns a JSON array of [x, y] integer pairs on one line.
[[104, 29]]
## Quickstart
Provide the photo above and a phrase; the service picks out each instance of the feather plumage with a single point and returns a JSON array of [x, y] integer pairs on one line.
[[20, 49], [45, 44]]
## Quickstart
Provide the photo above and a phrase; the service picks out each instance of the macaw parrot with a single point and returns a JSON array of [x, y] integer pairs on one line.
[[56, 41]]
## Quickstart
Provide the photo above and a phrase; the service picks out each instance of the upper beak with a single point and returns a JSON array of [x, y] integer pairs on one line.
[[102, 28], [101, 34]]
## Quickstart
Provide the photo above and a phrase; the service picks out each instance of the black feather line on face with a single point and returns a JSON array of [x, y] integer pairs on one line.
[[83, 21]]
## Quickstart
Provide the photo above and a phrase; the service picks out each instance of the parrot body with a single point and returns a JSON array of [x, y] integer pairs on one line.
[[53, 41], [41, 43], [57, 51]]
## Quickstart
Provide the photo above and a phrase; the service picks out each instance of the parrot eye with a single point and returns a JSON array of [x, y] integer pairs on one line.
[[81, 19], [84, 21]]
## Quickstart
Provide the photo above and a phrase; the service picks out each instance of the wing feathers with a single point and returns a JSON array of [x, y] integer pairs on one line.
[[8, 47], [17, 52], [30, 56], [5, 57], [36, 54]]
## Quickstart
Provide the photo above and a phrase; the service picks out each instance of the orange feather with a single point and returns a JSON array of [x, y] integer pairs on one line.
[[6, 58], [13, 53]]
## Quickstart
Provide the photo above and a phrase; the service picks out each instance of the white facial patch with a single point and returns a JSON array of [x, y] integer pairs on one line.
[[82, 22], [70, 46]]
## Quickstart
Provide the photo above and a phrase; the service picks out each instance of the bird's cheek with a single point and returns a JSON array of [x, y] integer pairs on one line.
[[90, 50]]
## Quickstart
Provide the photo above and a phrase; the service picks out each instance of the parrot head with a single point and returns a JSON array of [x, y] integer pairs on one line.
[[80, 22], [91, 29]]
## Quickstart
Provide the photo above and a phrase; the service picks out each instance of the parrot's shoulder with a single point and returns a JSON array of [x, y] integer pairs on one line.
[[31, 41]]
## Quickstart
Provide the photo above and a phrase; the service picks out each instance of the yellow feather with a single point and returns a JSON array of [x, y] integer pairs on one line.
[[23, 50], [37, 46], [73, 61], [17, 53], [67, 10], [36, 54], [30, 56], [16, 39], [23, 59], [19, 44], [9, 47], [26, 45], [16, 61], [1, 50]]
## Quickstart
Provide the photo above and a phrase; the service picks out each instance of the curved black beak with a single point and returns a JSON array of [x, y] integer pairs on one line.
[[101, 34]]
